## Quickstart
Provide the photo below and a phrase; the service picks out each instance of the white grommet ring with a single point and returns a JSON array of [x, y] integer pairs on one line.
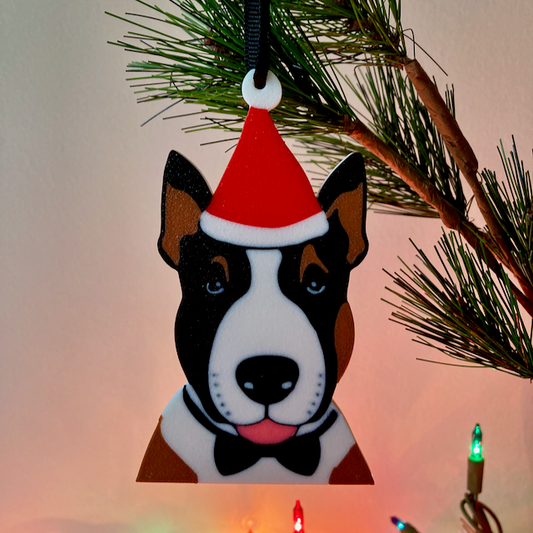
[[266, 98]]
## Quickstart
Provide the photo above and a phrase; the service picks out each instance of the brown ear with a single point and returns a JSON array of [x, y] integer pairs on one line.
[[349, 206], [344, 193], [185, 195]]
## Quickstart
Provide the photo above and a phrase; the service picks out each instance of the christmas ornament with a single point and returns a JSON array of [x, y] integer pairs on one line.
[[264, 331]]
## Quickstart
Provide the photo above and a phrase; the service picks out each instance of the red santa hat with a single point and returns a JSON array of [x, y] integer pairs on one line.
[[264, 198]]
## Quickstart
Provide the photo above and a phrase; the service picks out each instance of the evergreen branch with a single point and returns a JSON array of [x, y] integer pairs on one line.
[[400, 119], [465, 158], [359, 32], [385, 188], [512, 205], [449, 215], [464, 312], [207, 66], [411, 142], [397, 118], [443, 118]]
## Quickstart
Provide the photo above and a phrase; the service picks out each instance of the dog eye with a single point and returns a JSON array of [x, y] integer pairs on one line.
[[214, 287], [315, 287], [315, 279]]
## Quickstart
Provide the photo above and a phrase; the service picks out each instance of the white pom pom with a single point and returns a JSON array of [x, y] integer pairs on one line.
[[266, 98]]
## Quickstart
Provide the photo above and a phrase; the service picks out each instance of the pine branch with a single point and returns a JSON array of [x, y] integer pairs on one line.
[[464, 156], [398, 117], [464, 312], [412, 144], [391, 194], [443, 119], [363, 32], [417, 182], [511, 202]]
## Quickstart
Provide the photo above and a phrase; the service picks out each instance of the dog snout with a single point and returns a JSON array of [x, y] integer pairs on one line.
[[267, 379]]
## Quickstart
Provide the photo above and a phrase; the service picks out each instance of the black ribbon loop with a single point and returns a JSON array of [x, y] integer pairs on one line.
[[256, 39]]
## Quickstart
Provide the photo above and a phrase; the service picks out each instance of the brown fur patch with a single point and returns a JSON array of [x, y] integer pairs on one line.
[[344, 338], [352, 470], [351, 212], [182, 215], [222, 261], [162, 464], [309, 257]]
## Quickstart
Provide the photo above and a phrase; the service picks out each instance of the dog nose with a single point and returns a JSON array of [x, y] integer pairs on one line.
[[267, 379]]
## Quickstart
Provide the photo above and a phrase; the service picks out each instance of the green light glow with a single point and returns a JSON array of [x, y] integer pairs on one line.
[[477, 446]]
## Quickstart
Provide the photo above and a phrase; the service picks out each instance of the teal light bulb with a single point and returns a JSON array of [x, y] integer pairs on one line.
[[398, 523], [476, 451]]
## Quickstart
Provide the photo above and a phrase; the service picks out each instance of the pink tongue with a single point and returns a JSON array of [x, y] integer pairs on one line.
[[266, 432]]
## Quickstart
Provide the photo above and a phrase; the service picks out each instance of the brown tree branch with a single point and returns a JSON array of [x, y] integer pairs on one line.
[[464, 156], [445, 122], [450, 217]]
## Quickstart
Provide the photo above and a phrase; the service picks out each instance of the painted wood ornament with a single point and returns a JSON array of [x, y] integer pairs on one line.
[[264, 331]]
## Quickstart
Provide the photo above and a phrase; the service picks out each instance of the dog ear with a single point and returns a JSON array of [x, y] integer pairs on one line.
[[185, 195], [344, 193]]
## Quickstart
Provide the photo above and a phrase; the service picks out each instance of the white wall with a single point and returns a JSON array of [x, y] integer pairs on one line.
[[87, 359]]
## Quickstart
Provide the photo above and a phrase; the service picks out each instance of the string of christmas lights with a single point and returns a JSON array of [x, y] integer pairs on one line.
[[477, 516]]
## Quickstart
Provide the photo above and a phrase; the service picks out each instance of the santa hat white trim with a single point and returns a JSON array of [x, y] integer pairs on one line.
[[258, 237]]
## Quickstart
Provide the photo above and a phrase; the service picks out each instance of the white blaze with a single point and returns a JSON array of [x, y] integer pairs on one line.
[[265, 322]]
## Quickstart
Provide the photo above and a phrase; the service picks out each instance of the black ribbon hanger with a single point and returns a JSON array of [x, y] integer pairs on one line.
[[256, 39]]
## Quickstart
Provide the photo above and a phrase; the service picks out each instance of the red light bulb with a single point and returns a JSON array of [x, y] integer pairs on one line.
[[298, 518]]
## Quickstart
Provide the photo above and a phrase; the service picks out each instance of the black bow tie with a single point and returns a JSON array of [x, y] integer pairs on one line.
[[233, 453]]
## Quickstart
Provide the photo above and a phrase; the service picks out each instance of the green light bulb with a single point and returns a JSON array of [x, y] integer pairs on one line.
[[476, 452]]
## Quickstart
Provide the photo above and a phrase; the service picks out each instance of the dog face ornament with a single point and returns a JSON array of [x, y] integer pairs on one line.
[[264, 331]]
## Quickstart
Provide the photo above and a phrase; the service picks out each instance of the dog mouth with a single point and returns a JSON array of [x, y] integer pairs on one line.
[[266, 432]]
